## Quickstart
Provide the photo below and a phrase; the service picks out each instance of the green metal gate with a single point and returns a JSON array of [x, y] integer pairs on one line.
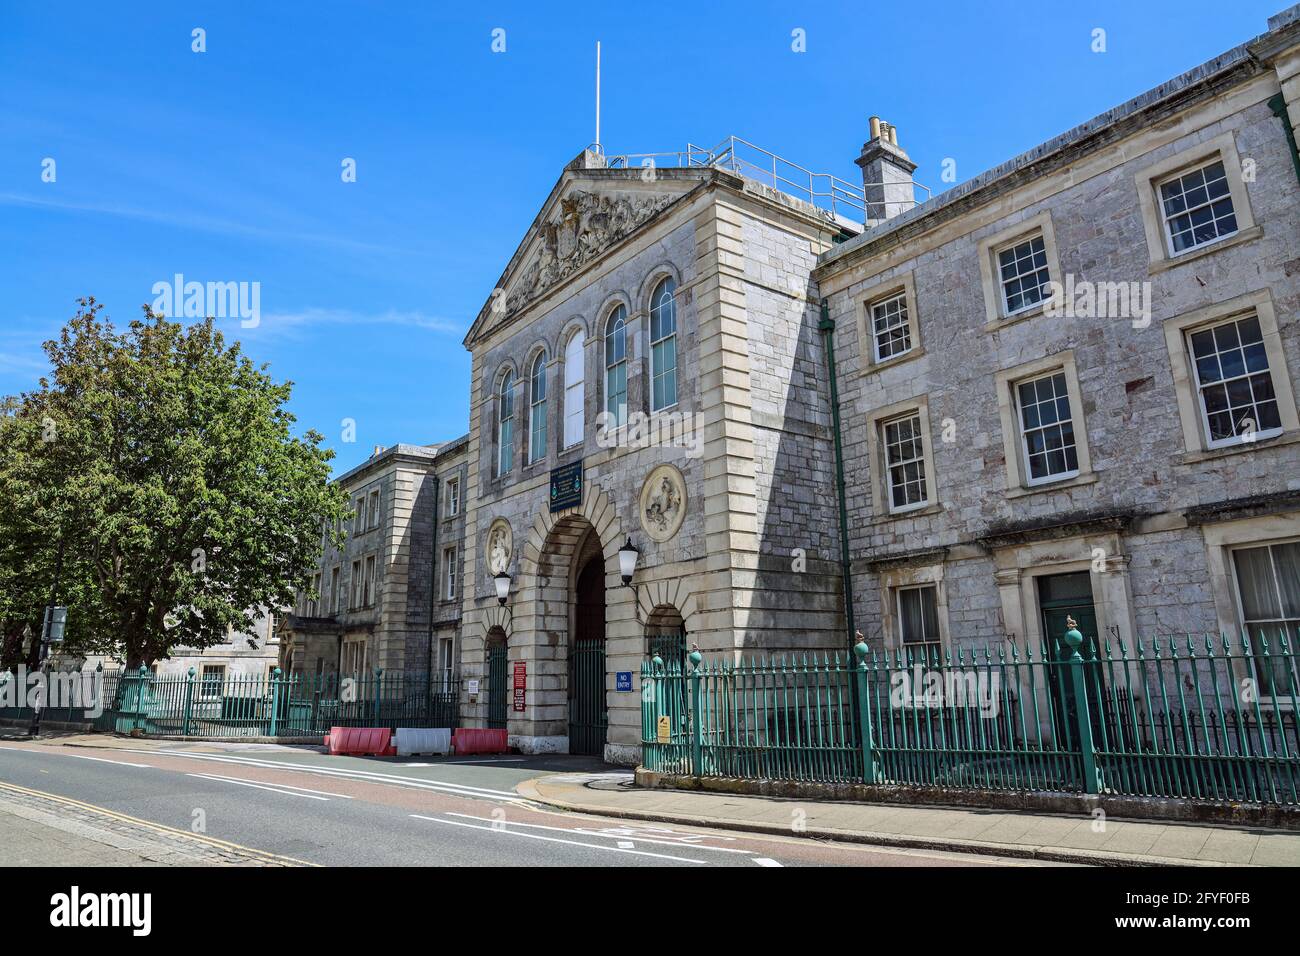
[[497, 686], [588, 717], [669, 645]]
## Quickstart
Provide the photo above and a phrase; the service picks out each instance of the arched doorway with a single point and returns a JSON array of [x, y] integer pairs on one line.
[[588, 713], [496, 680], [665, 633]]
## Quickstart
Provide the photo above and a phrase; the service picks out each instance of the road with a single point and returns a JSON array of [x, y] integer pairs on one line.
[[298, 805]]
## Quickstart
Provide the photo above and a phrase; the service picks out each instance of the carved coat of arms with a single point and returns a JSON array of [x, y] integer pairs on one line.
[[663, 502], [587, 224]]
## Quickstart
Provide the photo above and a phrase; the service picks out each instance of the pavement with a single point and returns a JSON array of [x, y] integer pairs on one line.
[[40, 829], [1032, 836]]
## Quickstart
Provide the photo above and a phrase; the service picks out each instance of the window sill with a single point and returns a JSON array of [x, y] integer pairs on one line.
[[1078, 480], [571, 454], [1210, 454], [874, 367], [1009, 320], [1166, 263], [533, 469], [902, 515]]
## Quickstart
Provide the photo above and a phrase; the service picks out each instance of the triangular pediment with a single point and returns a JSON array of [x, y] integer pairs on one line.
[[590, 211]]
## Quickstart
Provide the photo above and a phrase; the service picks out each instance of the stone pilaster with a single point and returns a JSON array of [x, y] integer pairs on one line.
[[731, 542]]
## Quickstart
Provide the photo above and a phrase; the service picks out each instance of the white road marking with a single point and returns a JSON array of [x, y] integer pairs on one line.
[[764, 861], [57, 753], [626, 844], [282, 786], [454, 789], [667, 833], [610, 833], [256, 786], [538, 836]]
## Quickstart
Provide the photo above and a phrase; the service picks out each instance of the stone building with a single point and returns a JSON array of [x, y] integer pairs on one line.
[[1065, 387], [242, 654], [653, 338], [390, 597], [1068, 385]]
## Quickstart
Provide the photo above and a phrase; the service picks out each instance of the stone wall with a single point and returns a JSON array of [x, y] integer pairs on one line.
[[795, 598], [1141, 465]]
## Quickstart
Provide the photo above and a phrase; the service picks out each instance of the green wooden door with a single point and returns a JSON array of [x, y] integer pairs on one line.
[[497, 686], [1062, 597]]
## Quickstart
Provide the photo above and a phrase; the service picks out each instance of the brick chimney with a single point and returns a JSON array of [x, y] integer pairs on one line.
[[886, 174]]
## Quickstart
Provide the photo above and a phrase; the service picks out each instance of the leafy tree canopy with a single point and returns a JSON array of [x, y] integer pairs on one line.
[[156, 476]]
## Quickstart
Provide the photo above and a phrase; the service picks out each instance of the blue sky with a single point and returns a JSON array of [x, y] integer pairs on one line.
[[225, 165]]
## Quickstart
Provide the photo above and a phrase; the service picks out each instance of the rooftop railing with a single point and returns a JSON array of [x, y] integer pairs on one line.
[[823, 190]]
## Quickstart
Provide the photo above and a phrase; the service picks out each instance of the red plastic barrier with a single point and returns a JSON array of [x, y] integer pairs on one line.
[[477, 740], [376, 741]]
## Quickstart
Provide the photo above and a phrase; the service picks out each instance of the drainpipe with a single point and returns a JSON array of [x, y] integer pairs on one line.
[[1278, 105], [433, 571], [827, 329]]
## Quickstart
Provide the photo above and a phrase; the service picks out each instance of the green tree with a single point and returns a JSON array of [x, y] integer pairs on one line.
[[156, 473]]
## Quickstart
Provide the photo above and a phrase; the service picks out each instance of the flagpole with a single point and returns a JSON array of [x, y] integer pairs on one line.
[[598, 94]]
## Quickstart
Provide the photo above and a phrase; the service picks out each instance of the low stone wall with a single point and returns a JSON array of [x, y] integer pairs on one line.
[[1075, 804], [62, 726]]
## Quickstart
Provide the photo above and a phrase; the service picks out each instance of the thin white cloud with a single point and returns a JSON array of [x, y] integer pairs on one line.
[[195, 222], [10, 362], [311, 318]]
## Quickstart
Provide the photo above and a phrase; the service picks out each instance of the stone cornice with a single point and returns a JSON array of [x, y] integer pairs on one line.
[[1252, 507]]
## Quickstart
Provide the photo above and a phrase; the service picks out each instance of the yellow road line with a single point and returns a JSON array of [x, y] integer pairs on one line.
[[160, 827]]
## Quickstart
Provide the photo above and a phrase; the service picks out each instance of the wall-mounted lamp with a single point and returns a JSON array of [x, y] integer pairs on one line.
[[628, 555], [502, 581]]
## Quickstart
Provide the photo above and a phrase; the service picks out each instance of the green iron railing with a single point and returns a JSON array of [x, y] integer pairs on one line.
[[91, 703], [274, 705], [1207, 719]]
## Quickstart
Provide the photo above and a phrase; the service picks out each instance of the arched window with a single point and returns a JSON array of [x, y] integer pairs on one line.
[[575, 395], [663, 346], [506, 423], [537, 409], [616, 367]]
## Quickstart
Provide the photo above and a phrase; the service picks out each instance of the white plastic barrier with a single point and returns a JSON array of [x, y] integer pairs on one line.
[[423, 740]]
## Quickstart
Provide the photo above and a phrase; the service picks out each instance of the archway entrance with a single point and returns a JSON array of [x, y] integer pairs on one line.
[[588, 715]]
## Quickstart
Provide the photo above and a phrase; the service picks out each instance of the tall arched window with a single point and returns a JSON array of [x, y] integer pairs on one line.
[[663, 346], [505, 423], [616, 367], [537, 409], [575, 396]]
